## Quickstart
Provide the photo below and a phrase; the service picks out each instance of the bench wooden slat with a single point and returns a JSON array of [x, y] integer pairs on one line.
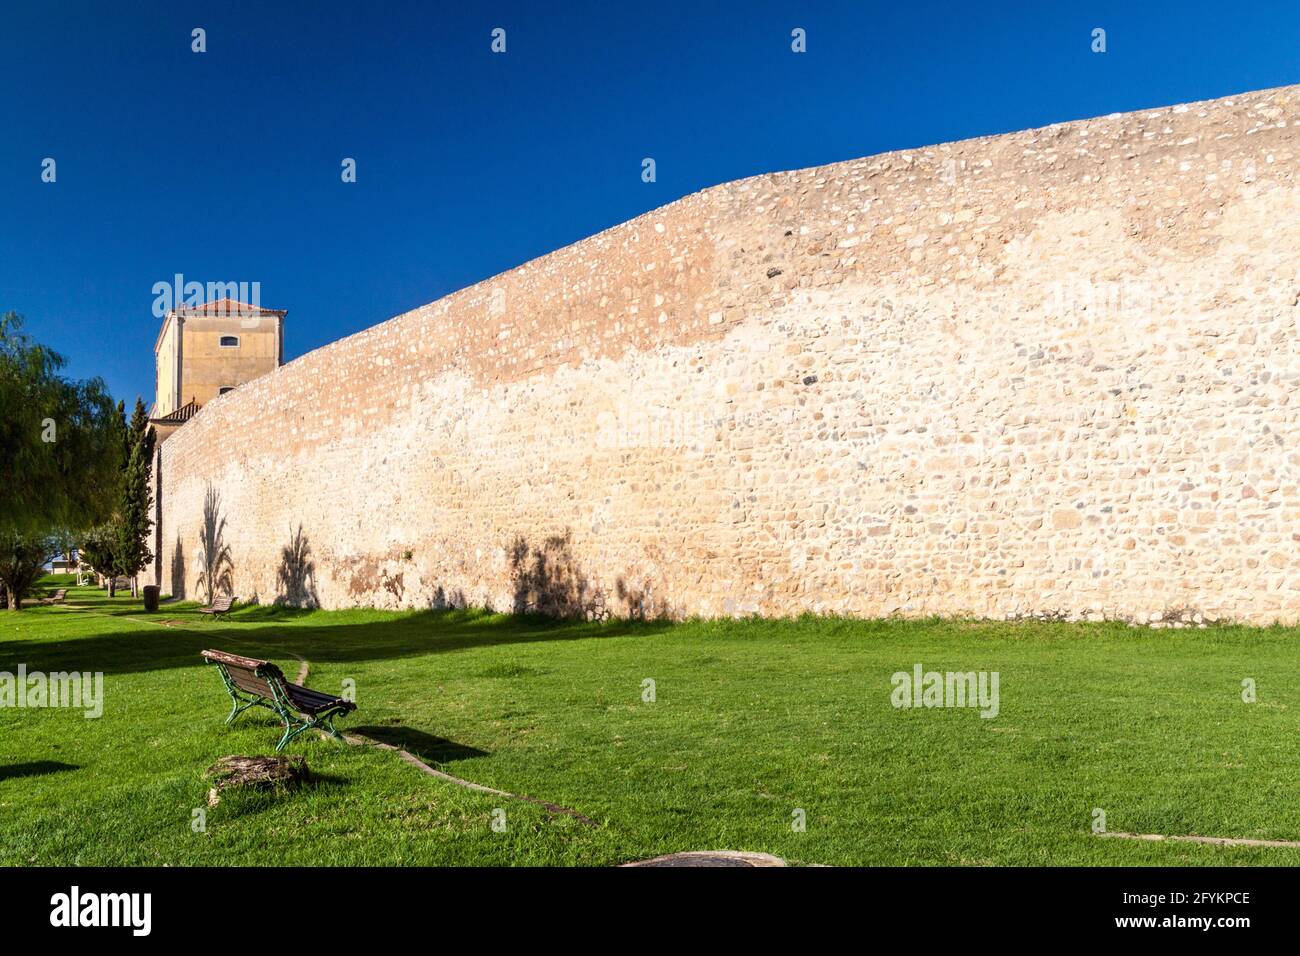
[[250, 682], [248, 673], [310, 701], [219, 606], [248, 663]]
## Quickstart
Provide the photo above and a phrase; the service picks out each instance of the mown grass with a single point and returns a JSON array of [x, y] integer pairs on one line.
[[752, 721]]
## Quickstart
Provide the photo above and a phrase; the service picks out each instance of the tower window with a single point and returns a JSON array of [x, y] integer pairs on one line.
[[225, 388], [230, 341]]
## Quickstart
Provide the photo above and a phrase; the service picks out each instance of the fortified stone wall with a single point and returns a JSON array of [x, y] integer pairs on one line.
[[1054, 372]]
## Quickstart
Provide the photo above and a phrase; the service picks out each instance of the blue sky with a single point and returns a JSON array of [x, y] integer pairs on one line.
[[225, 165]]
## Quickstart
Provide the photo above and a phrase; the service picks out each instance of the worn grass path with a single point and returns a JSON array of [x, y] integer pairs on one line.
[[752, 720]]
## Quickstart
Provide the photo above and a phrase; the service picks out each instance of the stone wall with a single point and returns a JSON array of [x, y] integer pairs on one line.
[[1054, 372]]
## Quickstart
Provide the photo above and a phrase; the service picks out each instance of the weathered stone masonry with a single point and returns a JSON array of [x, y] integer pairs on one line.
[[1052, 372]]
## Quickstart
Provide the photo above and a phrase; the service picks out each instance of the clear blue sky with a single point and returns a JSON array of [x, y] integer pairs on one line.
[[224, 166]]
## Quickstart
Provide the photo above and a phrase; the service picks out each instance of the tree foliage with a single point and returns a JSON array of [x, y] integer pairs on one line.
[[22, 561], [133, 552], [119, 547], [99, 549], [60, 459]]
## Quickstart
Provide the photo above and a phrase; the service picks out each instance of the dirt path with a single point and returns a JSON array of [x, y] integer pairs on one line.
[[362, 740], [1215, 841]]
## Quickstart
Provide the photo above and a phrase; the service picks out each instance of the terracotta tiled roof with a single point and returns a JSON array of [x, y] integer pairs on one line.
[[178, 417], [227, 307]]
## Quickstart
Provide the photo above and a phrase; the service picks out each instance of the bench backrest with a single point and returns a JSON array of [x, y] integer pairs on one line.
[[223, 604], [248, 673]]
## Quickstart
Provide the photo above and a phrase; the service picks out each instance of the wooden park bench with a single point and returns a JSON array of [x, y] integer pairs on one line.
[[220, 607], [56, 598], [254, 683]]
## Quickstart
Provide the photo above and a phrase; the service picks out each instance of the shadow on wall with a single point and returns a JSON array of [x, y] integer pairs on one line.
[[157, 514], [547, 580], [296, 577], [444, 600], [217, 573], [178, 569], [393, 584], [641, 604]]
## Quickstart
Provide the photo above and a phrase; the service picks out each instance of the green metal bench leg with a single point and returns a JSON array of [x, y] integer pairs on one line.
[[327, 725], [289, 733], [239, 707], [294, 728]]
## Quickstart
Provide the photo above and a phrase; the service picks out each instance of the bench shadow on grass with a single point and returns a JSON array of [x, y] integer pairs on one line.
[[429, 748], [35, 768], [280, 632]]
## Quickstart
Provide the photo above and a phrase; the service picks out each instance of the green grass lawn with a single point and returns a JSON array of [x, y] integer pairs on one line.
[[753, 720]]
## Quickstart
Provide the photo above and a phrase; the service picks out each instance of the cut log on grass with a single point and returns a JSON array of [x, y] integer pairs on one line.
[[262, 773]]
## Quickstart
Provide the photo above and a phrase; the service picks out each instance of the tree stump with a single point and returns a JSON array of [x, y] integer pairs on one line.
[[262, 773]]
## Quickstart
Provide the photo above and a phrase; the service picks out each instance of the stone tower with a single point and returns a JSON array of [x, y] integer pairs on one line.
[[207, 350]]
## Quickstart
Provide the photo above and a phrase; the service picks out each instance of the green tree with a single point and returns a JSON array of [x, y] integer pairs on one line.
[[22, 561], [60, 457], [59, 441], [102, 544], [133, 552], [99, 550]]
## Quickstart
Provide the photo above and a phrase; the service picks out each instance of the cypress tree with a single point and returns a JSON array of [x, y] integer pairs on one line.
[[133, 552]]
